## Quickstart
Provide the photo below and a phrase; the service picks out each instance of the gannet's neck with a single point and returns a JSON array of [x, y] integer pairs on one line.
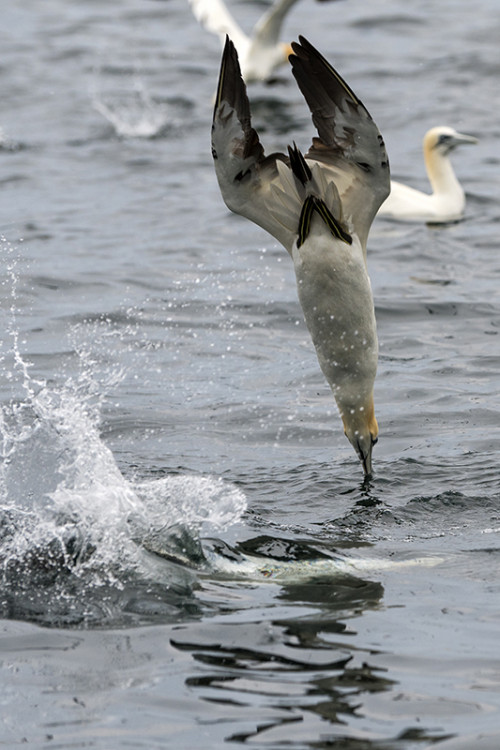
[[440, 171]]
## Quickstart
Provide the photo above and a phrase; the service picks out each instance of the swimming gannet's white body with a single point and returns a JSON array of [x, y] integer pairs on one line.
[[268, 569], [320, 207], [447, 201], [261, 53]]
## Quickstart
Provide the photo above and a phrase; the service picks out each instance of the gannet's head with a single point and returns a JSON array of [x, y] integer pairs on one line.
[[361, 429], [444, 139], [287, 51]]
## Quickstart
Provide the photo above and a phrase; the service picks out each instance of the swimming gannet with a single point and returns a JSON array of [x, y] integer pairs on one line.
[[447, 201], [259, 54], [320, 207]]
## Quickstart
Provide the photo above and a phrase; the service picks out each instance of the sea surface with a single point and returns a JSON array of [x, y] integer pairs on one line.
[[189, 556]]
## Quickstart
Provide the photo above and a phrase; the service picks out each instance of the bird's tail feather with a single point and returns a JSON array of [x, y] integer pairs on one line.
[[313, 202]]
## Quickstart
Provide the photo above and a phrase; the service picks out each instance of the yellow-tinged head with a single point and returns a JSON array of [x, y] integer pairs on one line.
[[444, 139], [361, 429], [287, 51]]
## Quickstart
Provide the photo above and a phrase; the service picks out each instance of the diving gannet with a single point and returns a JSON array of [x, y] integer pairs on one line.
[[320, 207], [447, 201], [259, 54]]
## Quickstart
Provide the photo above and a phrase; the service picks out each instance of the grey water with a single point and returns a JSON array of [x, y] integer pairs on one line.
[[189, 556]]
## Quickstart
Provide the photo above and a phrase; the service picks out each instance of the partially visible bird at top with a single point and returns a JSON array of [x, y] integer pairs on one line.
[[320, 208], [446, 203], [261, 53]]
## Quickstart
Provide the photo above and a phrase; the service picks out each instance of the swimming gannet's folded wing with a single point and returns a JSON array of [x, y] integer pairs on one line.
[[349, 144]]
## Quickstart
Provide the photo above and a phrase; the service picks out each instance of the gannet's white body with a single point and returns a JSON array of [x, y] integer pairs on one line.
[[330, 288], [447, 201], [320, 207], [261, 52]]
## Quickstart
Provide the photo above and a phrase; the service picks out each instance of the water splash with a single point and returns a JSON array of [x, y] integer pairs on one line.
[[134, 114], [7, 143], [57, 472], [72, 527]]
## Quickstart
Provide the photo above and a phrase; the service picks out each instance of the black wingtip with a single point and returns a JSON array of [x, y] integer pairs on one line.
[[231, 87], [232, 98], [307, 57], [302, 48]]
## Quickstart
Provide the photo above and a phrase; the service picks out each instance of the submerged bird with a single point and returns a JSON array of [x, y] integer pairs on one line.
[[447, 201], [259, 54], [320, 207]]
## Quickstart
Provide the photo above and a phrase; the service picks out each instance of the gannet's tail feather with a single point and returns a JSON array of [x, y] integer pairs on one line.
[[314, 200], [299, 165]]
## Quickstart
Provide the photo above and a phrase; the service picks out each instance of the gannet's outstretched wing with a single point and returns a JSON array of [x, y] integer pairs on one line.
[[215, 17], [245, 174], [348, 159], [349, 144], [268, 29]]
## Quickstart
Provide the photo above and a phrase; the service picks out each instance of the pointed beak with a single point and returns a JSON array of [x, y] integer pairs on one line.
[[460, 138], [365, 456]]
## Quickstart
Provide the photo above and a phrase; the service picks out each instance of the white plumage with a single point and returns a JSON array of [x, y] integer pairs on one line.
[[447, 201]]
